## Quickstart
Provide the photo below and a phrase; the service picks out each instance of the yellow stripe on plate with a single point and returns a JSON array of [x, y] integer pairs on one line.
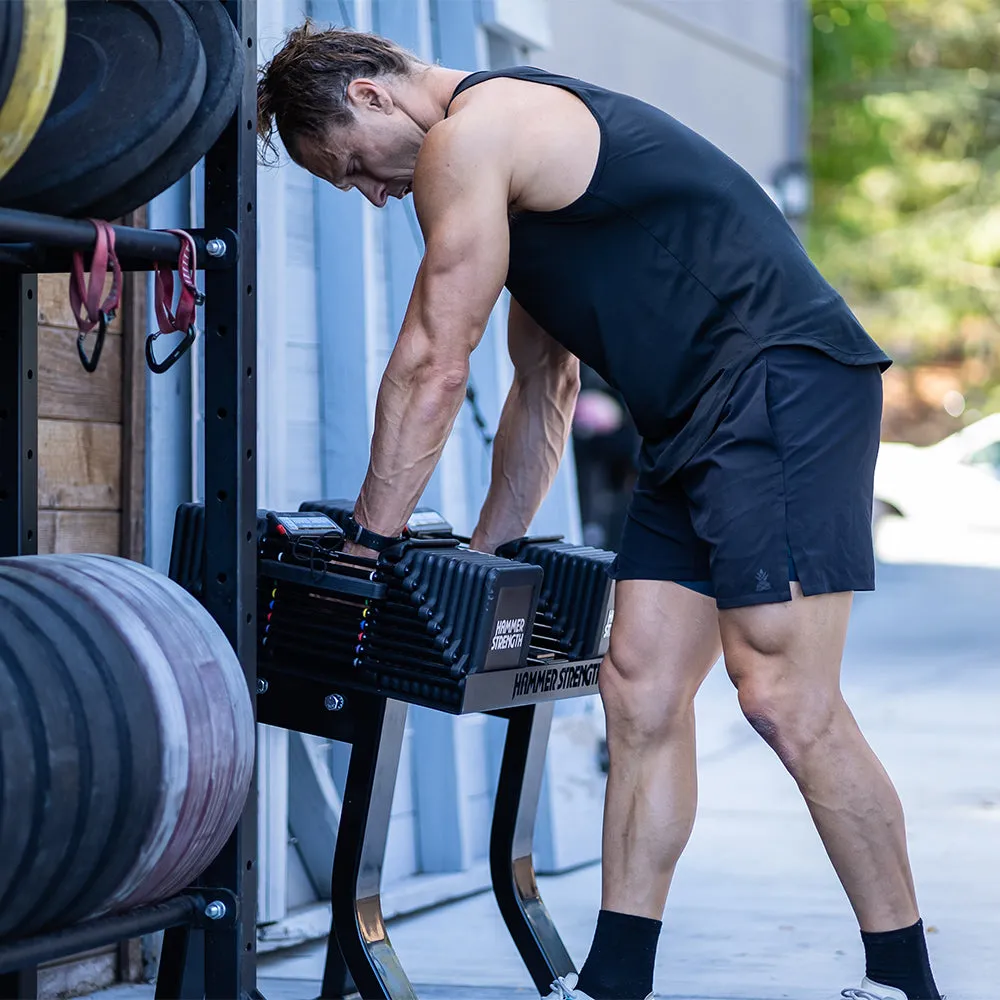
[[43, 42]]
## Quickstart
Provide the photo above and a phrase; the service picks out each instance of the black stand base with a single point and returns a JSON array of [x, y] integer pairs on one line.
[[360, 956]]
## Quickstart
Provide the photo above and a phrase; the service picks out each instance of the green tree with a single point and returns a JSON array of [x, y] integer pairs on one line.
[[906, 162]]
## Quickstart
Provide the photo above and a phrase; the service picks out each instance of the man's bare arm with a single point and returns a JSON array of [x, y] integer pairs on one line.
[[532, 433], [463, 180]]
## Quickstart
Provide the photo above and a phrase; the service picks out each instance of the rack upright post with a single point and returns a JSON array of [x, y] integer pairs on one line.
[[18, 413], [18, 463], [230, 592]]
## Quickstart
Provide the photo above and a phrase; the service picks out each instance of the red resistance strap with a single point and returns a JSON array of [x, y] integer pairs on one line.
[[85, 293], [181, 319]]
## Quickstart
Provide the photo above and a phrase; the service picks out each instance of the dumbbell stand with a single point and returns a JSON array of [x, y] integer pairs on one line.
[[360, 956]]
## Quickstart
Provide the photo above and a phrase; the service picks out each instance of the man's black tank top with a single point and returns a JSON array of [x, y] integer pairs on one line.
[[670, 274]]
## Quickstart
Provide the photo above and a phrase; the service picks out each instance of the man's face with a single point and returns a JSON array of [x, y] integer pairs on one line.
[[376, 154]]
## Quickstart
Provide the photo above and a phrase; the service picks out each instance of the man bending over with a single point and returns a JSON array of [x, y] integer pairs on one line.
[[631, 243]]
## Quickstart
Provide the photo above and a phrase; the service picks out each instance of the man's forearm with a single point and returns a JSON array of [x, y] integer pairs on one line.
[[416, 407], [529, 445]]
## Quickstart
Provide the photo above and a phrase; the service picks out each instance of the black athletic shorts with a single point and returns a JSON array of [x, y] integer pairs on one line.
[[781, 490]]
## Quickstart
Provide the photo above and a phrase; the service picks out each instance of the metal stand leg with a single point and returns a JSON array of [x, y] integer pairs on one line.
[[512, 867], [358, 927], [337, 981], [181, 974]]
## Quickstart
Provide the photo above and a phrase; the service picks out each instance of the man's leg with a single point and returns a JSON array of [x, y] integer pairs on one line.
[[785, 662], [664, 641]]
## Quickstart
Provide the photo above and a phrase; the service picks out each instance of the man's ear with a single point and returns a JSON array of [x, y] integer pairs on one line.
[[366, 94]]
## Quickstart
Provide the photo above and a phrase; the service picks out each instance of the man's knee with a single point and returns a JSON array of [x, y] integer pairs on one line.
[[784, 660], [645, 701], [789, 715]]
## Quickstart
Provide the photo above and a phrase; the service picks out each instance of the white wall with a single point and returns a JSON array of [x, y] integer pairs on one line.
[[719, 66]]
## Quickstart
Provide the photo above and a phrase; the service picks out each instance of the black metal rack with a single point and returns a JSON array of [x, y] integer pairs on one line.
[[222, 914]]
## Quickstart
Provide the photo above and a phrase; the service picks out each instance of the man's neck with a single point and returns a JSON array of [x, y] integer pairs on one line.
[[425, 97]]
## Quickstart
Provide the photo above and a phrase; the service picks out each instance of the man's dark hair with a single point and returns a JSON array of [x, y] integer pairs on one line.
[[302, 91]]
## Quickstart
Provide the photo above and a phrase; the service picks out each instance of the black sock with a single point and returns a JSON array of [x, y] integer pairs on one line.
[[621, 959], [899, 959]]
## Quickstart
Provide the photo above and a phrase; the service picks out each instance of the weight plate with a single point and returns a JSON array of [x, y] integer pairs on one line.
[[62, 766], [21, 743], [228, 671], [132, 76], [225, 63], [201, 668], [123, 741], [190, 667], [169, 775], [10, 44], [78, 676], [31, 57]]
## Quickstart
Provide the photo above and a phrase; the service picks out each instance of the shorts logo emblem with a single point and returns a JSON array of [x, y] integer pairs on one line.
[[763, 583]]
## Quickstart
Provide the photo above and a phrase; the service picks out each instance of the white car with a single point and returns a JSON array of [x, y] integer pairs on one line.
[[954, 482]]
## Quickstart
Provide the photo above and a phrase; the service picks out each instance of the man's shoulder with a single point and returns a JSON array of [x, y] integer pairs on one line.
[[464, 153], [477, 127], [494, 100]]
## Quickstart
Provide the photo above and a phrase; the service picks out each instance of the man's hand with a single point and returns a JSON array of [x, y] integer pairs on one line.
[[461, 192], [353, 549]]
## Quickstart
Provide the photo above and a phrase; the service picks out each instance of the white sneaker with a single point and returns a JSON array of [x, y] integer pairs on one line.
[[564, 988], [874, 991]]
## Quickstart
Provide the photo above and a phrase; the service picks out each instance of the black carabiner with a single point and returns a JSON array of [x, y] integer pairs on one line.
[[174, 356], [90, 363]]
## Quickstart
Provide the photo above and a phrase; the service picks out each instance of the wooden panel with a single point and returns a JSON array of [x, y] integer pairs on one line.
[[53, 302], [66, 390], [79, 464], [78, 531]]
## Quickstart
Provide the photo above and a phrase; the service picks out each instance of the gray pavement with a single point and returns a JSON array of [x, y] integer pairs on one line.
[[756, 912]]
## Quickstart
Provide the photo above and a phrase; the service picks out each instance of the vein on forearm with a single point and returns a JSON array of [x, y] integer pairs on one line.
[[417, 404], [529, 445]]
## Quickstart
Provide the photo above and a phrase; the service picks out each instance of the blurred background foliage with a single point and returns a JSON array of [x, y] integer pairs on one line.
[[906, 220]]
